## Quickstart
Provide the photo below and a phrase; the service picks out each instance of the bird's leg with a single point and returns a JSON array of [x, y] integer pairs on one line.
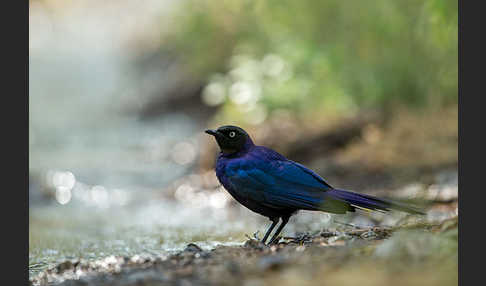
[[285, 220], [274, 223]]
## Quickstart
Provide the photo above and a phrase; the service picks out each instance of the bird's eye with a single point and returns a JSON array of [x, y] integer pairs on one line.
[[232, 134]]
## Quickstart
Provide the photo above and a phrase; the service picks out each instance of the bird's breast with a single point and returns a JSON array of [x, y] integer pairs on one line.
[[226, 170]]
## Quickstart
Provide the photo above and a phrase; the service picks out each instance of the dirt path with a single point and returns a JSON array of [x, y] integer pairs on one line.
[[408, 255]]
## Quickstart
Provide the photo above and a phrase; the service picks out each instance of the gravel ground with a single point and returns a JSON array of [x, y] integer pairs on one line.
[[415, 253]]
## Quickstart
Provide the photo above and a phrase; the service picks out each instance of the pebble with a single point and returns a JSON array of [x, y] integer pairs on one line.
[[192, 247]]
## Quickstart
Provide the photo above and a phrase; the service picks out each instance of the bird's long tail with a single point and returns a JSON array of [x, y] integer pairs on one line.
[[371, 203]]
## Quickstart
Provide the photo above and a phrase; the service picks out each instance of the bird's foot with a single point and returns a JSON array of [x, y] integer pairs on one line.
[[254, 243], [274, 241]]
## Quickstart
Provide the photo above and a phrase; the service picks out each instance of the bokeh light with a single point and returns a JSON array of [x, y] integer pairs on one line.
[[183, 153]]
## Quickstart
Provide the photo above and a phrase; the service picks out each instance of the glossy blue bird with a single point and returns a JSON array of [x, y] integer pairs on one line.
[[267, 183]]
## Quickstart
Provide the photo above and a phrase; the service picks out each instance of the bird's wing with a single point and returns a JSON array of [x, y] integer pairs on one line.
[[310, 178], [282, 184], [290, 170]]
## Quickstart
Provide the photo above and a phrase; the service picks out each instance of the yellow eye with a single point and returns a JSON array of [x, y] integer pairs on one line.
[[232, 134]]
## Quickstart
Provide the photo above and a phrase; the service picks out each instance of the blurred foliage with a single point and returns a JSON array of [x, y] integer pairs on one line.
[[431, 136], [319, 56]]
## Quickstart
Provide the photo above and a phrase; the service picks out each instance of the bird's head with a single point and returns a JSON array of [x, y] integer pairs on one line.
[[231, 139]]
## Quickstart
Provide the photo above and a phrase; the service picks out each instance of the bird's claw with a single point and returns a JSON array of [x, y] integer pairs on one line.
[[274, 241]]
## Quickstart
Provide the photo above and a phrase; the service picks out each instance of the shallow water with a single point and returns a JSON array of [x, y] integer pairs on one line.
[[59, 233], [97, 173]]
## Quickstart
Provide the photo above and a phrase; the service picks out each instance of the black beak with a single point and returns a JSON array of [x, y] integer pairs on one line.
[[211, 132]]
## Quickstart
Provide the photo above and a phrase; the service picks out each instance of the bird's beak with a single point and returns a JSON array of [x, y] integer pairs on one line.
[[211, 132]]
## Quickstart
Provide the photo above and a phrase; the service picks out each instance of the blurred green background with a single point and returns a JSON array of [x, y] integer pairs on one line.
[[319, 56]]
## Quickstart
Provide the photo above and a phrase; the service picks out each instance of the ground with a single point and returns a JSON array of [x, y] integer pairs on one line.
[[413, 254], [393, 159]]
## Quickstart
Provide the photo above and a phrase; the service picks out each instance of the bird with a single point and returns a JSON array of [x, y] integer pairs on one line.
[[273, 186]]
